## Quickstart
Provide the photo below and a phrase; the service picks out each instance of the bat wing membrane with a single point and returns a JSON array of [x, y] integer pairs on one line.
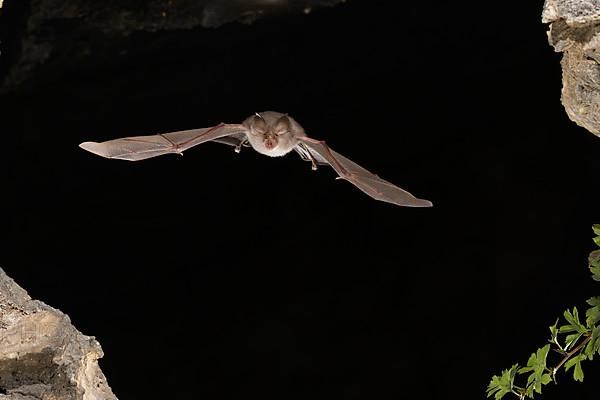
[[235, 140], [142, 147], [366, 181]]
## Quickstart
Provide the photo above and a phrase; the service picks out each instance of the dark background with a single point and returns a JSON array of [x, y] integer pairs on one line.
[[217, 275]]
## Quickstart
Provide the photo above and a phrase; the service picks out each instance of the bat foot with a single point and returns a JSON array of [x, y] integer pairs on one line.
[[238, 147], [314, 167]]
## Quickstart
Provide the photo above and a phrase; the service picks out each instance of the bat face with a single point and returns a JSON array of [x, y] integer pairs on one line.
[[272, 133]]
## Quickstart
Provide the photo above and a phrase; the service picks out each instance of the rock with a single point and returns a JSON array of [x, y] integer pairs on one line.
[[574, 30], [43, 356], [61, 34]]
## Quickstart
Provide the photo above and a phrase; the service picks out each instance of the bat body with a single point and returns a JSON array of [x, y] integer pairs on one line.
[[270, 133]]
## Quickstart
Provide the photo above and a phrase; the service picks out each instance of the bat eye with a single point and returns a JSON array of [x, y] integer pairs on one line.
[[283, 125]]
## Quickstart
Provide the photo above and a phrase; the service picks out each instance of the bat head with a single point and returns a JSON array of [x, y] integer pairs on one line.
[[272, 133]]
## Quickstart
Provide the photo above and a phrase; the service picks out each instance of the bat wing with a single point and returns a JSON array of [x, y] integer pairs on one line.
[[141, 147], [348, 170]]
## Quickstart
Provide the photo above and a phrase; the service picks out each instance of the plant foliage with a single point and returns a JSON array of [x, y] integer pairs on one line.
[[574, 340]]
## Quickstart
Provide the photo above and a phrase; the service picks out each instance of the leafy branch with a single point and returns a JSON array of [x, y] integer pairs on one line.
[[573, 342]]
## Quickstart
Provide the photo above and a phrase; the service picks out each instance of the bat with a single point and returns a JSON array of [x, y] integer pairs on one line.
[[270, 133]]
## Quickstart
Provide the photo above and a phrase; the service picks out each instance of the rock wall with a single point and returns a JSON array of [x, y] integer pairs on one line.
[[575, 31], [43, 356]]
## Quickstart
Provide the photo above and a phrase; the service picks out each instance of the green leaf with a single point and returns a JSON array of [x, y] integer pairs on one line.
[[596, 229], [537, 366], [576, 362], [578, 373], [531, 379], [567, 329], [529, 391], [542, 353], [554, 329], [594, 258], [589, 347], [571, 340], [546, 379], [597, 240], [537, 360], [554, 335], [531, 363], [501, 385], [594, 301], [594, 262], [569, 364], [596, 345], [592, 316], [593, 346], [573, 319]]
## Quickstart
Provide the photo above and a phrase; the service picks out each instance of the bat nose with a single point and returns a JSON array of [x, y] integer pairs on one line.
[[270, 142]]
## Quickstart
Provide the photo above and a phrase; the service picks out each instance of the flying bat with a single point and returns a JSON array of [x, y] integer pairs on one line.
[[270, 133]]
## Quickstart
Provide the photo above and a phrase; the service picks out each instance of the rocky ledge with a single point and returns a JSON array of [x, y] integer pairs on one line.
[[575, 31], [43, 356]]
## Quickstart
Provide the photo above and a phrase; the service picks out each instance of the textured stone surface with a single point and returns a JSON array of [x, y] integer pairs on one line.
[[575, 31], [573, 12], [60, 34], [42, 356]]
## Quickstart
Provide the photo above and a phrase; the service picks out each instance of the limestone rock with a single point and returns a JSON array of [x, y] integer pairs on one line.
[[573, 12], [43, 356], [575, 31]]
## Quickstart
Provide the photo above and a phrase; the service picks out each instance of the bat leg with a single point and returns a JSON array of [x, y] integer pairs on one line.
[[238, 147], [313, 163]]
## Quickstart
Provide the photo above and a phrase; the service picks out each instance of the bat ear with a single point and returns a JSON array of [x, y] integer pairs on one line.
[[259, 123], [283, 125]]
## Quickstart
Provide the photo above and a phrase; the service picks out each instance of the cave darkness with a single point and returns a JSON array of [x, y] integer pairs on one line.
[[223, 275]]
